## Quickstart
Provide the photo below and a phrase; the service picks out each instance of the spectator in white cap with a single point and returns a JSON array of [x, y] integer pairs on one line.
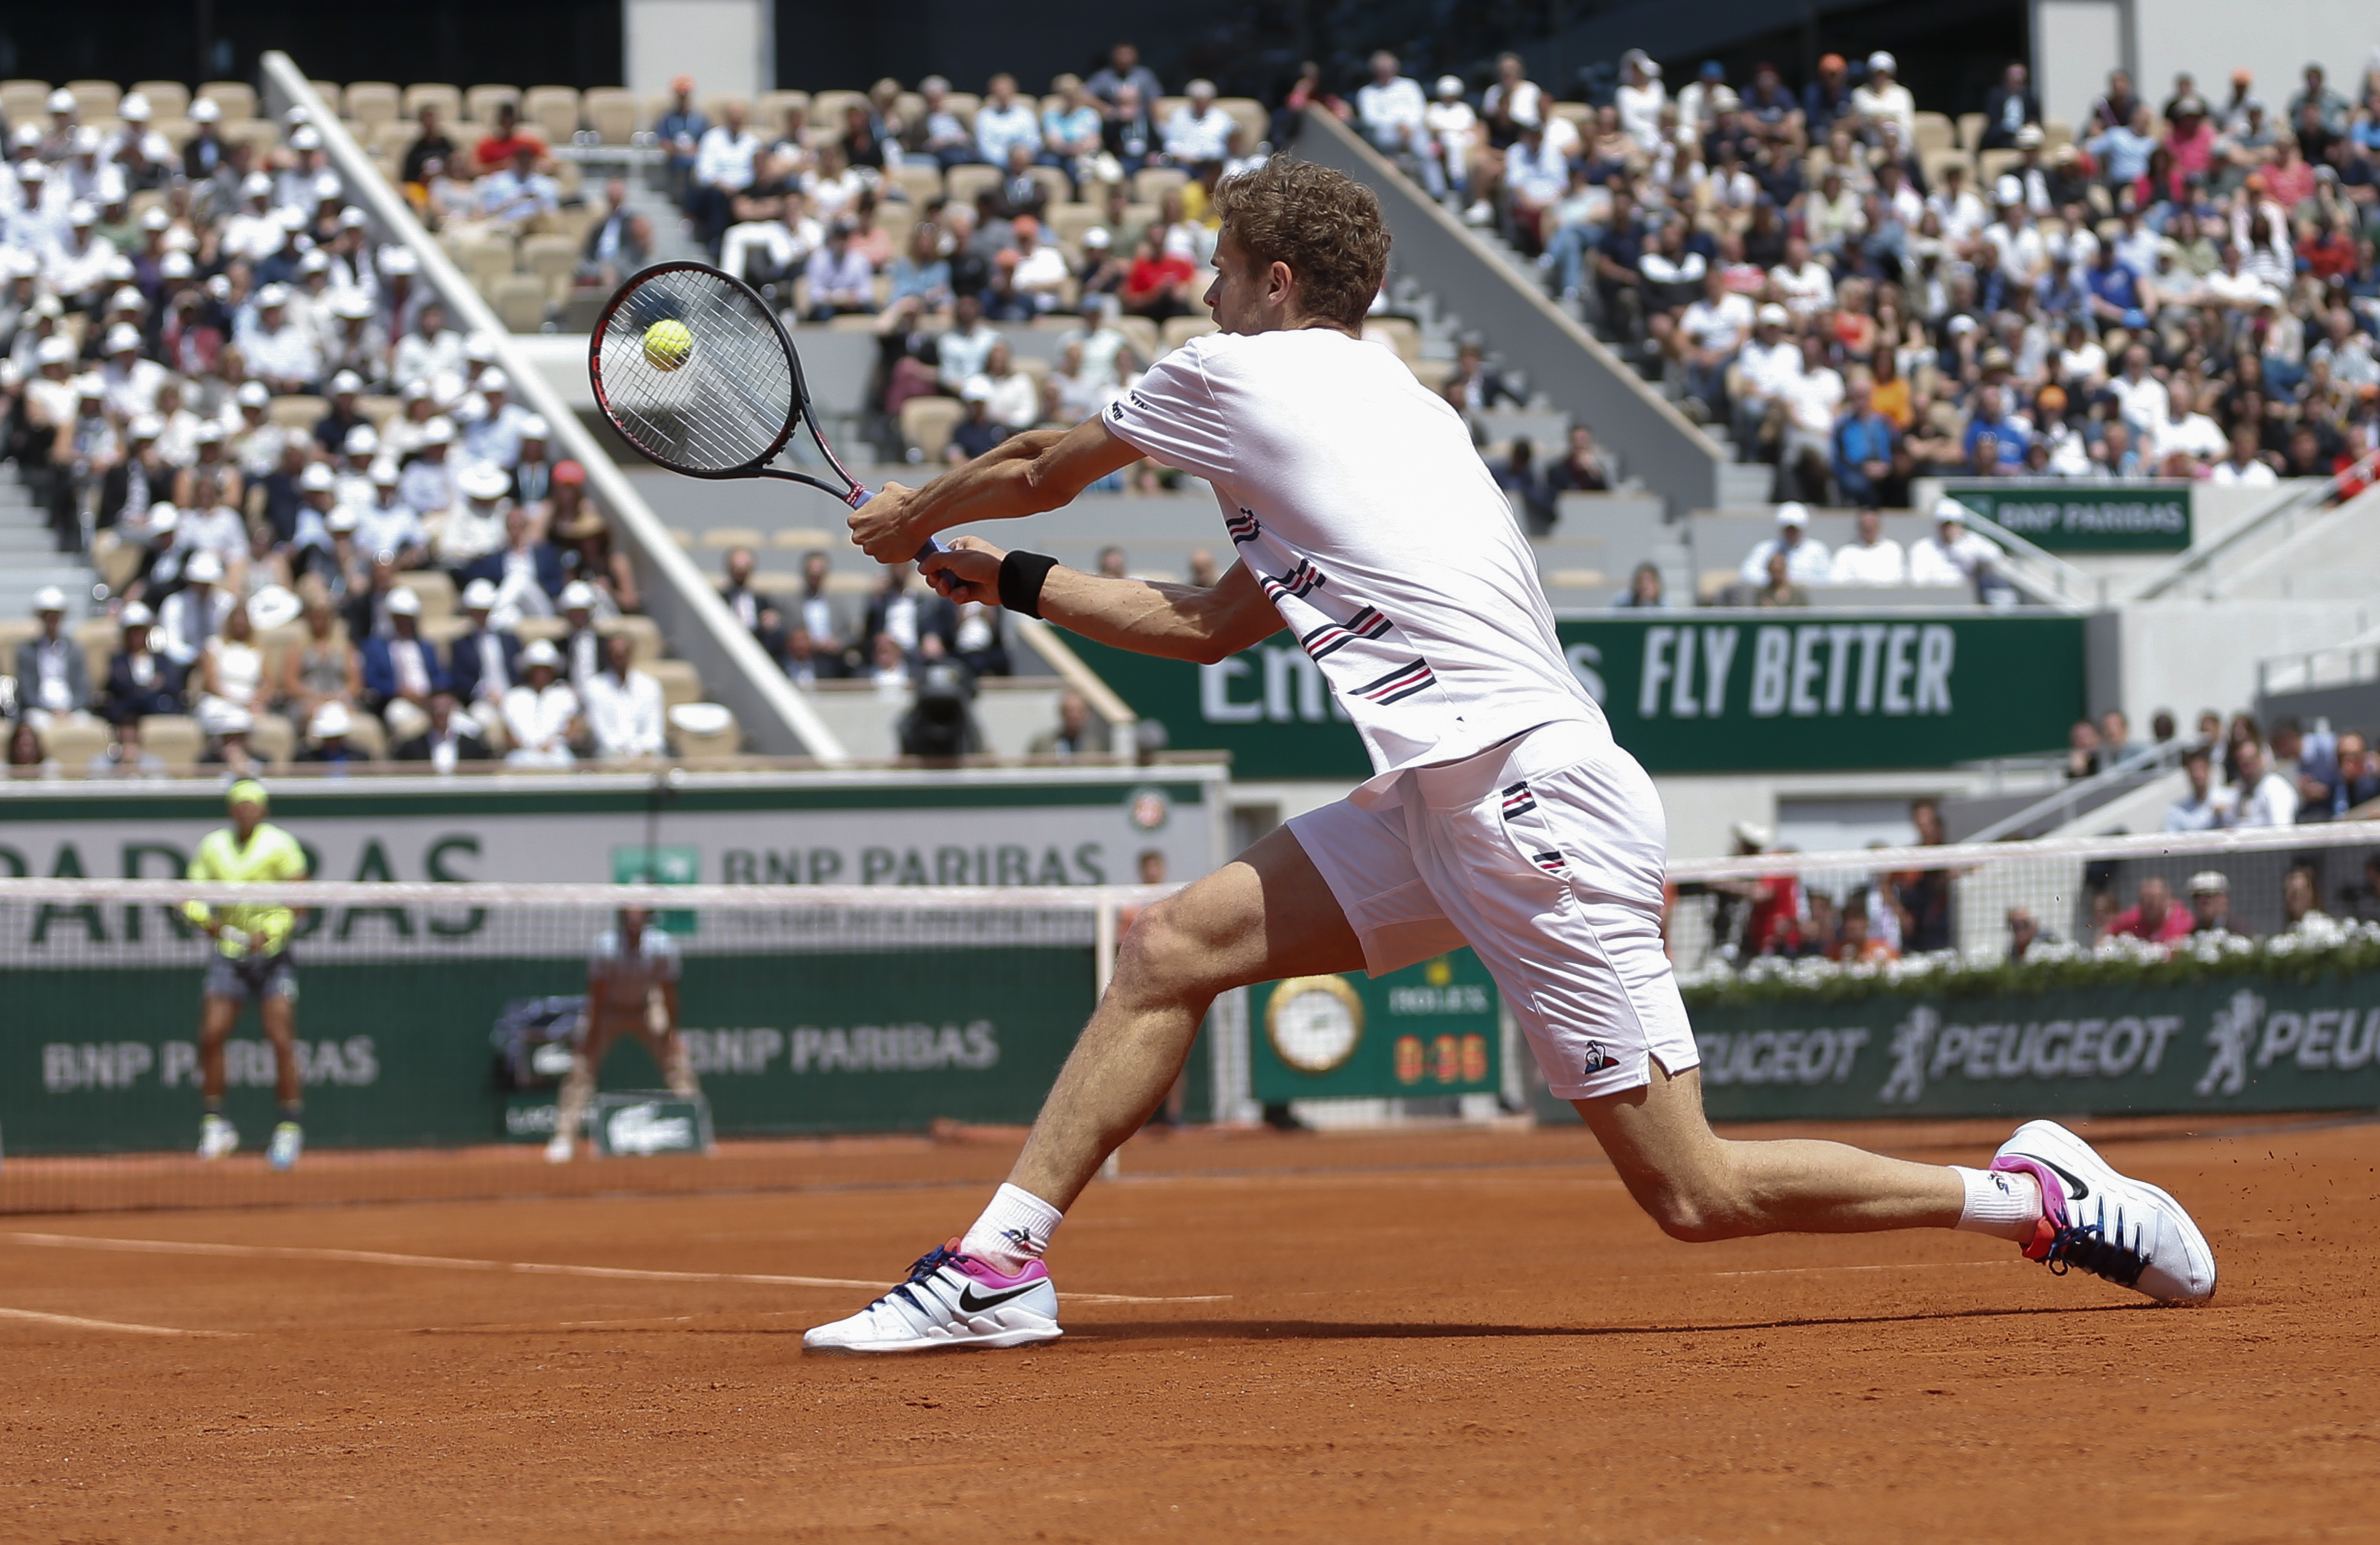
[[541, 711], [401, 669], [1763, 370], [356, 450], [493, 435], [317, 494], [131, 382], [1199, 131], [226, 727], [345, 568], [1953, 554], [582, 649], [524, 574], [355, 345], [1881, 99], [90, 448], [329, 742], [1640, 98], [485, 661], [139, 680], [532, 468], [140, 477], [431, 348], [77, 267], [53, 680], [623, 705], [428, 486], [1807, 561], [252, 439], [162, 556], [475, 528], [204, 152], [278, 349], [384, 522]]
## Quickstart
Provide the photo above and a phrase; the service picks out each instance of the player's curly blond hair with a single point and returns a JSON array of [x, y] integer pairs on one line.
[[1327, 226]]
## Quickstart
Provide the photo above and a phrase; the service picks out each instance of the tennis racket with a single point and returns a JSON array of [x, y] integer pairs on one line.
[[696, 372]]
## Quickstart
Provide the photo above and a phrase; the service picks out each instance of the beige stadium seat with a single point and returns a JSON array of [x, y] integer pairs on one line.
[[21, 101], [1254, 123], [1144, 336], [963, 183], [1136, 219], [97, 99], [805, 538], [896, 220], [483, 100], [1069, 222], [721, 539], [681, 683], [552, 259], [98, 639], [176, 132], [446, 99], [613, 114], [369, 736], [335, 99], [715, 107], [552, 629], [719, 739], [1991, 164], [1150, 183], [235, 99], [380, 410], [394, 138], [167, 98], [1934, 132], [486, 262], [435, 589], [1397, 332], [682, 536], [1933, 160], [117, 560], [554, 110], [273, 740], [71, 743], [829, 107], [1971, 130], [13, 632], [922, 180], [174, 739], [769, 113], [259, 135], [520, 301], [373, 103], [299, 411], [2056, 133], [909, 107], [927, 423], [1165, 108], [1181, 330], [1060, 188], [644, 636], [962, 105]]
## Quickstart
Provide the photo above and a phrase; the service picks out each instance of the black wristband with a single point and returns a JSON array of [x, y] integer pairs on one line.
[[1022, 575]]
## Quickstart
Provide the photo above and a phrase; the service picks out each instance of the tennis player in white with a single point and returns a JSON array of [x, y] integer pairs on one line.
[[1502, 814]]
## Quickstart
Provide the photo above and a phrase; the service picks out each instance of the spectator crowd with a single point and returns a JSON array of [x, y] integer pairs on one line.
[[1858, 298], [322, 520]]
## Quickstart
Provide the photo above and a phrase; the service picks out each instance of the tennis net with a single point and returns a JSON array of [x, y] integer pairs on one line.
[[428, 1018]]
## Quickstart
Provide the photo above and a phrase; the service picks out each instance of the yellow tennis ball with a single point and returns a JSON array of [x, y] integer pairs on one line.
[[667, 344]]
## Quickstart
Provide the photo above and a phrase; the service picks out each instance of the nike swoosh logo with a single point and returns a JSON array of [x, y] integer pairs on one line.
[[2076, 1188], [969, 1302]]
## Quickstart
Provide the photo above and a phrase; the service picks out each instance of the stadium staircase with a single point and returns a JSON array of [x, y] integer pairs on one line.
[[28, 555]]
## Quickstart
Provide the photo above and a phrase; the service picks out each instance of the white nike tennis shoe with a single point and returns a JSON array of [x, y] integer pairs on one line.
[[288, 1142], [2097, 1221], [218, 1138], [950, 1301]]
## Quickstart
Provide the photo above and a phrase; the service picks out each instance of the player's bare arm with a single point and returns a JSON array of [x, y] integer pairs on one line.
[[1026, 474], [1176, 622]]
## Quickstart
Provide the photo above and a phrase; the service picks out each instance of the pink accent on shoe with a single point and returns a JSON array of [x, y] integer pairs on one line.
[[989, 1275], [2053, 1193]]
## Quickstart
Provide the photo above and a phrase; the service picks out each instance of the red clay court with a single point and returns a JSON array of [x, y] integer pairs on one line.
[[1417, 1335]]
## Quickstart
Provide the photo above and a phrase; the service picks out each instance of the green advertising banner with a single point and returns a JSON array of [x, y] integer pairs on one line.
[[2240, 1044], [2061, 516], [1429, 1030], [105, 1060], [1685, 691]]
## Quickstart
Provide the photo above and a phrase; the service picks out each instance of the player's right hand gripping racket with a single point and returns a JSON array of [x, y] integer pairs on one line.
[[697, 373]]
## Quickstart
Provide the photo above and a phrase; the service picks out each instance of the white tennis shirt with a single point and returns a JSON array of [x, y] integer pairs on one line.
[[1356, 498]]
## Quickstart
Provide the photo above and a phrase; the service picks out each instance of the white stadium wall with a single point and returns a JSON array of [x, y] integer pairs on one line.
[[2075, 42]]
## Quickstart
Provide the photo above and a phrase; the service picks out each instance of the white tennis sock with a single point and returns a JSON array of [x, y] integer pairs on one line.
[[1014, 1230], [2003, 1203]]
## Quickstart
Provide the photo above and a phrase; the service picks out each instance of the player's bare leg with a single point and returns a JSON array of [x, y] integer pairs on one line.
[[1701, 1186], [278, 1011], [1266, 915], [577, 1088], [217, 1014], [668, 1050]]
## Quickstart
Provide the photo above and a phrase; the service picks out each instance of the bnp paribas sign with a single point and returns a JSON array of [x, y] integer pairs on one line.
[[1686, 691]]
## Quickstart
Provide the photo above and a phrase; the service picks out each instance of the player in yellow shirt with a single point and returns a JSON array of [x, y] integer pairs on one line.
[[251, 961]]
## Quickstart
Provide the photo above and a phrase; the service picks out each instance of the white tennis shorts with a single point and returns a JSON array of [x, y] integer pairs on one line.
[[1545, 855]]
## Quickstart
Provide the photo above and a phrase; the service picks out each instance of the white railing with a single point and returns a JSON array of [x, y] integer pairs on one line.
[[2289, 511]]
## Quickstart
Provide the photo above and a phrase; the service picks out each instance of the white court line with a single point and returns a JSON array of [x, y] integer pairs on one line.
[[79, 1323], [535, 1268]]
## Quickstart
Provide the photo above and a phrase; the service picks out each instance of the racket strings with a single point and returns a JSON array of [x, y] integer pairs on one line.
[[728, 405]]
